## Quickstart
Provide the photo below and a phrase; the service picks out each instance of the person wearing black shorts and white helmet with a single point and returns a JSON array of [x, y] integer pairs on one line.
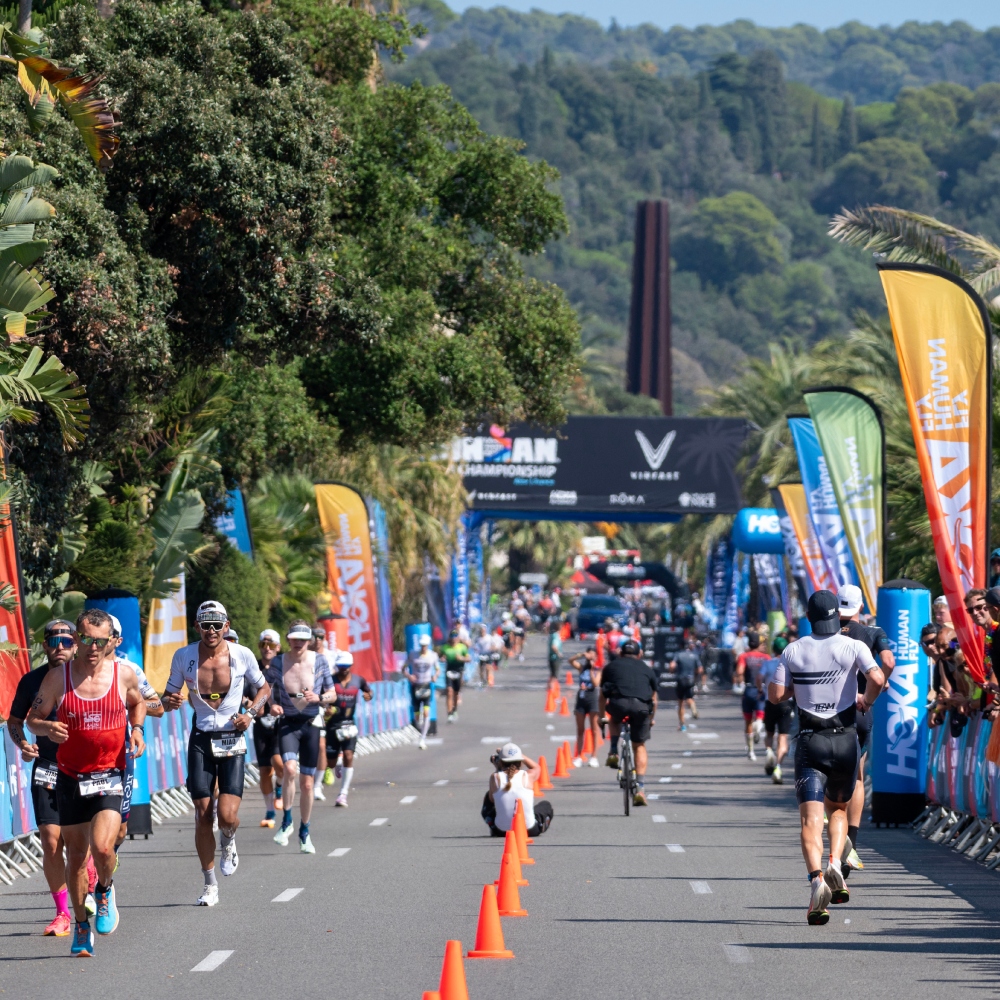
[[421, 672], [851, 600], [341, 727], [820, 670], [778, 719]]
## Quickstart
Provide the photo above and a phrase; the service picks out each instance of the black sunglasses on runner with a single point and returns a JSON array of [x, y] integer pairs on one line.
[[211, 626], [92, 640], [54, 641]]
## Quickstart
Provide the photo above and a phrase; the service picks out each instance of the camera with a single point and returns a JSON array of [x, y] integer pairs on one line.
[[495, 759]]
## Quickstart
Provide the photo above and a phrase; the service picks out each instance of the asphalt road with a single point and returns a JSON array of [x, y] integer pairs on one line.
[[613, 907]]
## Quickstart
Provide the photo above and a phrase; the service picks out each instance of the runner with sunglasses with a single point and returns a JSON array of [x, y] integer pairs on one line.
[[341, 728], [265, 734], [94, 698], [215, 672]]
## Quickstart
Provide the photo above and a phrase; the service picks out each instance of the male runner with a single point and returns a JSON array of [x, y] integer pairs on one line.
[[456, 655], [93, 698], [628, 687], [778, 719], [215, 671], [341, 730], [60, 645], [820, 670], [300, 681], [318, 645], [265, 733], [686, 664], [748, 665], [421, 673], [851, 600]]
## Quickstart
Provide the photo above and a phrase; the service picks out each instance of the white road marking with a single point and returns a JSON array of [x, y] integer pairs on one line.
[[658, 818], [676, 767], [688, 753], [652, 796], [703, 736], [697, 743], [287, 896], [338, 852], [435, 741], [469, 770], [495, 739], [563, 739], [549, 728], [381, 821], [738, 954], [700, 888], [212, 961], [441, 783], [674, 848], [665, 781], [407, 800]]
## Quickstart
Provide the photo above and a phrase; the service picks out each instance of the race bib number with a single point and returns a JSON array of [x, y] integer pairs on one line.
[[347, 732], [45, 775], [229, 745], [453, 675], [102, 783]]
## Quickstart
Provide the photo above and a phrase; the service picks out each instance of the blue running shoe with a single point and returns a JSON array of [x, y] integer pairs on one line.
[[83, 940], [107, 912]]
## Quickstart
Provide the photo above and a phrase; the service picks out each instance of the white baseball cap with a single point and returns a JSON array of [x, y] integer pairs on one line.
[[850, 600], [344, 660], [510, 753], [211, 611], [299, 632], [270, 635], [116, 626], [425, 639]]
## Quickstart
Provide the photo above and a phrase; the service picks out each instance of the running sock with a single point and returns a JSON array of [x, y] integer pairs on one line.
[[61, 899], [269, 802], [286, 820], [209, 874], [303, 831], [815, 874], [227, 838], [426, 725], [614, 746], [277, 791], [269, 814], [345, 783], [103, 888], [852, 832]]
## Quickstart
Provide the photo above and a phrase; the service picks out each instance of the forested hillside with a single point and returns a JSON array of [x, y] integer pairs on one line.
[[753, 162]]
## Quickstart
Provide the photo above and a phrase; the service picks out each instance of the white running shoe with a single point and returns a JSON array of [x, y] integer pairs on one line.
[[776, 775], [758, 730], [318, 794], [306, 846], [90, 904], [819, 900], [209, 896], [230, 859], [594, 762], [849, 859], [422, 745], [771, 763], [834, 878], [751, 754], [281, 837], [578, 762], [341, 800]]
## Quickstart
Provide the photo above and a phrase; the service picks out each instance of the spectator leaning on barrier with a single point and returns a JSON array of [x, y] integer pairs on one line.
[[508, 784], [981, 613]]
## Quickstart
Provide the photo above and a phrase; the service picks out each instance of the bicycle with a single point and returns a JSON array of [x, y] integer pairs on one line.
[[626, 765]]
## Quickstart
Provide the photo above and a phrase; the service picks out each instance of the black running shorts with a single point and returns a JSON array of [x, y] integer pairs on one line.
[[204, 768], [640, 716], [864, 722], [75, 809], [586, 702], [779, 717], [826, 764], [298, 738], [685, 690], [454, 679], [44, 800], [334, 744], [265, 742]]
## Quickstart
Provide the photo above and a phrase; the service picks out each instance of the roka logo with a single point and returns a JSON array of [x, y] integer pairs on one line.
[[655, 456]]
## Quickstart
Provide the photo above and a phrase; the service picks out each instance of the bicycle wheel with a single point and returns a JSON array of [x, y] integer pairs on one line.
[[626, 783]]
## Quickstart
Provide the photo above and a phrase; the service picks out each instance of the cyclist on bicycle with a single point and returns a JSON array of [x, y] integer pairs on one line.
[[421, 673], [628, 688]]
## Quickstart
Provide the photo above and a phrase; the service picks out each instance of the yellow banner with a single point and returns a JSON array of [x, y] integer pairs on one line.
[[794, 497], [942, 337], [351, 577], [165, 634]]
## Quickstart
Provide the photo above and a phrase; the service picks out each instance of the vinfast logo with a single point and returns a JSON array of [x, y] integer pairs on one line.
[[655, 456], [902, 753]]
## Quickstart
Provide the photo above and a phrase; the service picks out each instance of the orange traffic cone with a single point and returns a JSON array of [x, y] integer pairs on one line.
[[453, 972], [550, 702], [600, 740], [431, 995], [489, 933], [513, 848], [569, 679], [561, 770], [563, 707], [568, 754], [508, 899], [544, 781], [588, 743], [521, 830]]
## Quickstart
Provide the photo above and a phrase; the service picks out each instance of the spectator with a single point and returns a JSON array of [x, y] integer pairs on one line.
[[508, 785]]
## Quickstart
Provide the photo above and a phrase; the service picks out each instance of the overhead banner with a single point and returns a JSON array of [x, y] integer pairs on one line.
[[942, 335], [343, 516], [165, 634], [822, 502], [794, 497], [13, 628], [849, 427], [793, 550], [605, 468]]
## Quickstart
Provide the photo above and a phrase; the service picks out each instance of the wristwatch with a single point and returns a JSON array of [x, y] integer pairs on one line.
[[252, 712]]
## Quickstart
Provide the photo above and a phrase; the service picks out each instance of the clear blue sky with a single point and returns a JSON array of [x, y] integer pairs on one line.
[[769, 13]]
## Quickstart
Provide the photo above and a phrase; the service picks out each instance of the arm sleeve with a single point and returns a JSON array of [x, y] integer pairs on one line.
[[146, 689], [22, 700], [176, 679], [865, 660]]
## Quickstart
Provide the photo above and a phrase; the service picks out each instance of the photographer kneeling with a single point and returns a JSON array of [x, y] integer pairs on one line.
[[508, 783]]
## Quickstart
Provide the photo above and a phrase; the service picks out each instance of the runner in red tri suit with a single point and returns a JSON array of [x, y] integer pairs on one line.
[[93, 697]]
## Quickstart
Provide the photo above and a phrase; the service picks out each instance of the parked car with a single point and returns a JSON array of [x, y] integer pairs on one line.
[[593, 610]]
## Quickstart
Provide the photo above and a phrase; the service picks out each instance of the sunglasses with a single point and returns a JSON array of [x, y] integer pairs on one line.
[[211, 626], [975, 608], [268, 644], [55, 641], [93, 640]]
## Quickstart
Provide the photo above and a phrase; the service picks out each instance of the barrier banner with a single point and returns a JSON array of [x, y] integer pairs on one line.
[[165, 634], [849, 428], [934, 754], [6, 812], [344, 518], [982, 773], [13, 625], [794, 497], [899, 740], [822, 503], [18, 780], [380, 538], [942, 335]]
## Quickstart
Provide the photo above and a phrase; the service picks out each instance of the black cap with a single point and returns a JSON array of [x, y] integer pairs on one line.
[[993, 597], [824, 613]]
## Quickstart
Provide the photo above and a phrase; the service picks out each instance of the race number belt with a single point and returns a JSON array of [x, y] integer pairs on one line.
[[102, 783], [267, 721], [422, 693], [229, 745], [347, 732], [45, 774], [453, 675]]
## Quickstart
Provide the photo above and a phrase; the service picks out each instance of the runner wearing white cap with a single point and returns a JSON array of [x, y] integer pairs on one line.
[[509, 784], [421, 673], [851, 600], [341, 727]]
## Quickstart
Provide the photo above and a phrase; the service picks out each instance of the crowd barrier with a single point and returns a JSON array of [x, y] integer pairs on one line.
[[963, 791]]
